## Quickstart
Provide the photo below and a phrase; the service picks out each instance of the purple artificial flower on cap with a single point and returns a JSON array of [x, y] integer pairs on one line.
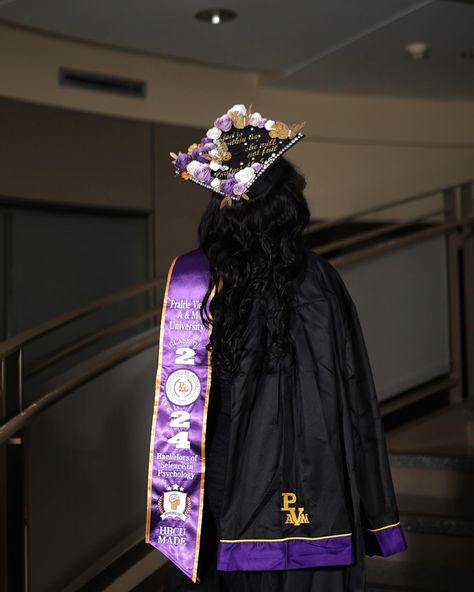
[[238, 188], [257, 120], [203, 174], [183, 160], [196, 155], [227, 186], [224, 123]]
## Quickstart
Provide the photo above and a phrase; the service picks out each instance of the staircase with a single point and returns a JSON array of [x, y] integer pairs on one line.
[[432, 463]]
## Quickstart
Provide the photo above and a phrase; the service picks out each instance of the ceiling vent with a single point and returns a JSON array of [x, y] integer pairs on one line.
[[102, 82]]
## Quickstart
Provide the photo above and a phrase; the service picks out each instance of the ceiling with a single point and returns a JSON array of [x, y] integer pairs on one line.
[[315, 45]]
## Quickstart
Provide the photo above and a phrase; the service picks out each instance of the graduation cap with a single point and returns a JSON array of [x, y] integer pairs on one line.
[[235, 152]]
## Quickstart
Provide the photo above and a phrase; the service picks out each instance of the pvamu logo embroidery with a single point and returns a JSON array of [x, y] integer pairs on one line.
[[292, 517]]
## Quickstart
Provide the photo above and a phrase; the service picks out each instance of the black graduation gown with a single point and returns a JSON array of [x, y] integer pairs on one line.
[[311, 432]]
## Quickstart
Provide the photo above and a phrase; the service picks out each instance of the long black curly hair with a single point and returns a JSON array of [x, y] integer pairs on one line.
[[256, 250]]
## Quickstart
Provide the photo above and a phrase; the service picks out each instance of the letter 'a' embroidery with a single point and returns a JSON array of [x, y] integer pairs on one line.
[[292, 516]]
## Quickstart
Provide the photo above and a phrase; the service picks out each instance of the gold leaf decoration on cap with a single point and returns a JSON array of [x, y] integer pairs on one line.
[[223, 151], [279, 130], [227, 200], [240, 121], [192, 147], [295, 128]]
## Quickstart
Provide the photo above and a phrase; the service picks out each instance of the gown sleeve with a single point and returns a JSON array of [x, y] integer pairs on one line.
[[383, 533]]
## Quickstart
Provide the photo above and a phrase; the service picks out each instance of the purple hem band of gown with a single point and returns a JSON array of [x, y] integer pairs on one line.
[[289, 554], [385, 542]]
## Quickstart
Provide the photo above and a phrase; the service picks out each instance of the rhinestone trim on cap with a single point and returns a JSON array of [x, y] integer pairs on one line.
[[264, 167]]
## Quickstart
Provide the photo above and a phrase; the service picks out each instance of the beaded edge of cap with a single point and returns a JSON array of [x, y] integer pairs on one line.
[[209, 155]]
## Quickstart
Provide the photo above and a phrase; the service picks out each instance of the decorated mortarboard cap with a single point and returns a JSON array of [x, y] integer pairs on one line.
[[239, 147]]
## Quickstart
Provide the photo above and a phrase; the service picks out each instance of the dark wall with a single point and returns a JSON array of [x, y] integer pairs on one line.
[[56, 160], [179, 203], [70, 157]]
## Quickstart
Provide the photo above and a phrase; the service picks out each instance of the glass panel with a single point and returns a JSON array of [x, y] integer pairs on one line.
[[402, 299], [86, 461], [62, 260]]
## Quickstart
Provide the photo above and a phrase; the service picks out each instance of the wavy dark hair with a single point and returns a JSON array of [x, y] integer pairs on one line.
[[256, 248]]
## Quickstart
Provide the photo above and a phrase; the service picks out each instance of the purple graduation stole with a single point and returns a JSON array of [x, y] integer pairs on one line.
[[177, 447]]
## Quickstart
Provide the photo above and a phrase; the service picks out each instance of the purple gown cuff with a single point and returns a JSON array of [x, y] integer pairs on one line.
[[385, 541]]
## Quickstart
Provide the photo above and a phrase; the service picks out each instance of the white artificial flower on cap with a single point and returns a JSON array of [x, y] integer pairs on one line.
[[192, 166], [242, 109], [214, 133], [245, 175], [269, 124], [255, 118]]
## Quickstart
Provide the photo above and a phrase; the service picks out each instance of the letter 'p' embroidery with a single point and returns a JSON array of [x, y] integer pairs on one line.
[[292, 517]]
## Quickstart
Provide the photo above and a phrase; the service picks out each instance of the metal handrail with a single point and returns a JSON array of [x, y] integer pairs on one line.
[[378, 232], [64, 351], [400, 241], [19, 421], [15, 344], [386, 206]]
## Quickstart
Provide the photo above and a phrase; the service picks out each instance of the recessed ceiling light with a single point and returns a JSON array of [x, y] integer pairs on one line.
[[418, 50], [216, 16]]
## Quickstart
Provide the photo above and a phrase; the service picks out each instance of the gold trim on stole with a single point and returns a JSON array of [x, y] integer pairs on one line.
[[203, 454], [157, 397]]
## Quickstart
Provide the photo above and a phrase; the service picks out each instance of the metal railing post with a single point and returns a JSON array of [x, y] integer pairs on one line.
[[454, 295], [13, 532], [467, 210]]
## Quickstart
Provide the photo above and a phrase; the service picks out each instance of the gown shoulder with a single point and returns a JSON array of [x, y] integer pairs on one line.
[[322, 281]]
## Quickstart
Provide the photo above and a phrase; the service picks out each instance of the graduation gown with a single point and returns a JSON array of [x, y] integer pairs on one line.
[[308, 477], [308, 481]]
